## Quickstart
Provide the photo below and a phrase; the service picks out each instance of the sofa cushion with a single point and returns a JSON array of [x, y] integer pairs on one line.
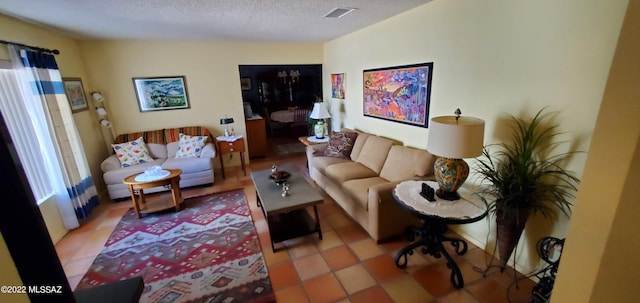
[[341, 172], [374, 153], [321, 163], [156, 150], [132, 153], [172, 149], [405, 163], [358, 144], [150, 136], [358, 189], [190, 146], [173, 134], [188, 165], [340, 144], [117, 175]]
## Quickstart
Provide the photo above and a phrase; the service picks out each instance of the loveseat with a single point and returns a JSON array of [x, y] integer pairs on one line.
[[363, 181], [162, 146]]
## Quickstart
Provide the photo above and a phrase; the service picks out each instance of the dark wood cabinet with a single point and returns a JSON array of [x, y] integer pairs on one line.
[[256, 137]]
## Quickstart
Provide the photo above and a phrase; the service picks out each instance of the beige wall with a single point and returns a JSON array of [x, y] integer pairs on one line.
[[601, 255], [9, 275], [490, 57], [211, 71], [71, 65]]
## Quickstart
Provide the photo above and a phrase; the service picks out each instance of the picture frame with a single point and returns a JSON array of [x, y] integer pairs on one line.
[[245, 83], [161, 93], [399, 93], [337, 86], [74, 90]]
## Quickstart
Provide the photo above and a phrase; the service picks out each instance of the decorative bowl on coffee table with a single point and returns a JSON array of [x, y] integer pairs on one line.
[[280, 176]]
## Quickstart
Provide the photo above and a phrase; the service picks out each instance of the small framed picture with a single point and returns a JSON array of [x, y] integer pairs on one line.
[[75, 94], [161, 93], [245, 83]]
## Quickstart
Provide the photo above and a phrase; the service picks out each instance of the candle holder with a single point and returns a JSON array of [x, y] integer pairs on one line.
[[285, 189]]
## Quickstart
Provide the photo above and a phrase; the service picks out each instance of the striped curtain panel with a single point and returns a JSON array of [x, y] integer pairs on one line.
[[47, 84]]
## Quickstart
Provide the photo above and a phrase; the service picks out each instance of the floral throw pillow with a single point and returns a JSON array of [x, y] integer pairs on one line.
[[190, 146], [132, 153], [340, 144]]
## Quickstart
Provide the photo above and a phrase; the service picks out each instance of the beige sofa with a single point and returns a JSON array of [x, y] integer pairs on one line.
[[363, 184], [162, 145]]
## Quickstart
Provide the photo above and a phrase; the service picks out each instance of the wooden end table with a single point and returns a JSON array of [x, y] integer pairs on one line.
[[311, 140], [136, 188], [435, 216], [229, 145]]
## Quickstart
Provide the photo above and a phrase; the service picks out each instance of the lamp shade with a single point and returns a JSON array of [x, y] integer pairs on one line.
[[459, 139], [224, 121], [319, 111]]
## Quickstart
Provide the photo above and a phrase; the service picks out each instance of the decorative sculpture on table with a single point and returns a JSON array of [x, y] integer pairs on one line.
[[427, 192]]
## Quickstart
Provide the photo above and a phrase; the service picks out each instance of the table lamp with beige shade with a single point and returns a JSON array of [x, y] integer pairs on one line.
[[319, 113], [453, 138]]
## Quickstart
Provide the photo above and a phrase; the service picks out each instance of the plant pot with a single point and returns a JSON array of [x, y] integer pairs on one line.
[[509, 231]]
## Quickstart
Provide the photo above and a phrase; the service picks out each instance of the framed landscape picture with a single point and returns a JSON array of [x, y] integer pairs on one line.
[[161, 93], [399, 94], [75, 94]]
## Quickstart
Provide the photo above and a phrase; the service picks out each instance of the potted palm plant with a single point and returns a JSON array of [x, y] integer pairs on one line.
[[523, 177]]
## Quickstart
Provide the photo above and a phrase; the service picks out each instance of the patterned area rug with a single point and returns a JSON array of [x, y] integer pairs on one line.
[[207, 252], [289, 148]]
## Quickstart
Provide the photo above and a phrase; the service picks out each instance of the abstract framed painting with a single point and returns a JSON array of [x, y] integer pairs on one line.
[[337, 86], [161, 93], [400, 93]]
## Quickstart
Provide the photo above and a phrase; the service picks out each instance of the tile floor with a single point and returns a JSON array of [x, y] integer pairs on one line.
[[346, 266]]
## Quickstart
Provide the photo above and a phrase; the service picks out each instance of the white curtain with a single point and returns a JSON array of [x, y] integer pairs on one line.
[[42, 100]]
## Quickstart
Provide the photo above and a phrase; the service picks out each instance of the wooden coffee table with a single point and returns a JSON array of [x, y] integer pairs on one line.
[[287, 217], [136, 188]]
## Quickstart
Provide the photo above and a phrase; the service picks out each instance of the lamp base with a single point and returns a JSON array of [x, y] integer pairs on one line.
[[319, 130], [445, 195], [450, 175]]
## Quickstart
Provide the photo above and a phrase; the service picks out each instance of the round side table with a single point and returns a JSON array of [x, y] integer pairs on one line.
[[434, 217], [136, 188]]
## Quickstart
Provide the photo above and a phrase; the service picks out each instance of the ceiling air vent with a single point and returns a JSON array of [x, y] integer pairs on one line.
[[339, 12]]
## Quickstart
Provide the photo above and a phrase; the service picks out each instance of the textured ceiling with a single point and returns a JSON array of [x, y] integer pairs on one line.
[[205, 20]]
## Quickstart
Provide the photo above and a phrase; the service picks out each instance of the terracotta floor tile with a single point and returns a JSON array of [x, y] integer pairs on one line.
[[352, 233], [406, 290], [434, 279], [488, 290], [375, 294], [324, 289], [292, 294], [366, 249], [328, 209], [272, 258], [383, 268], [478, 258], [311, 266], [338, 220], [460, 296], [326, 263], [261, 226], [302, 248], [283, 275], [329, 240], [355, 278], [339, 257], [78, 266], [94, 244]]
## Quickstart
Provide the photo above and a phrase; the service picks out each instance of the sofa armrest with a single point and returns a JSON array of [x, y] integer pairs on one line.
[[110, 163], [208, 151], [317, 149], [386, 217]]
